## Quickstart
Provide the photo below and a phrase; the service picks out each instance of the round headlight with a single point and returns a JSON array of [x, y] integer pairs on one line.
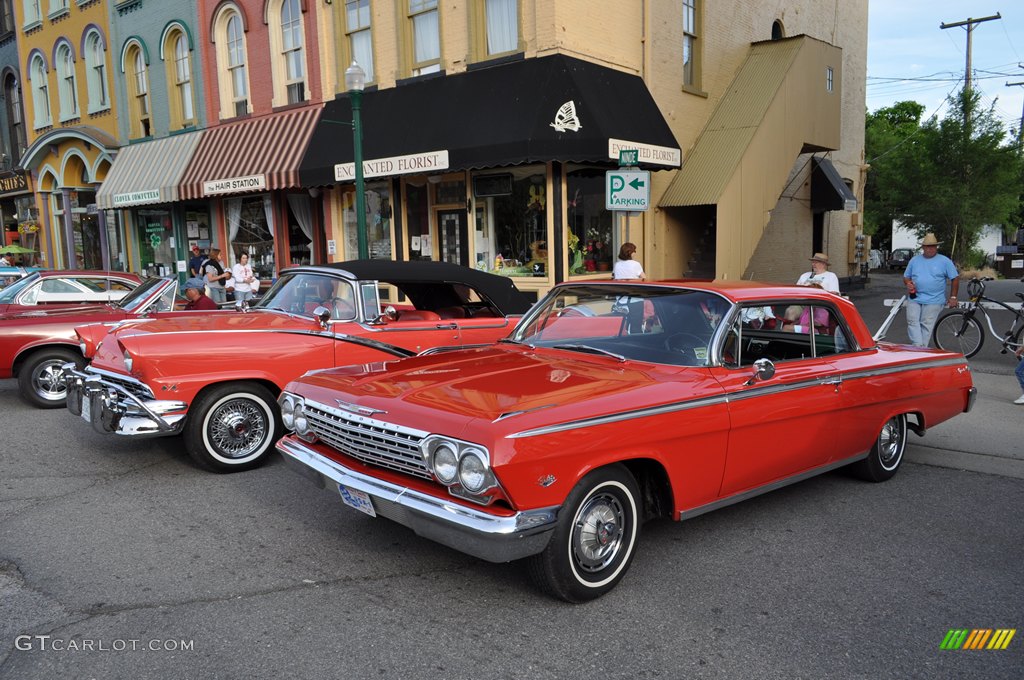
[[301, 424], [288, 413], [128, 361], [472, 472], [445, 463]]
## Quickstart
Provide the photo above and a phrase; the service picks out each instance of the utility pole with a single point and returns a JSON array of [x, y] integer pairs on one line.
[[1020, 128], [968, 25]]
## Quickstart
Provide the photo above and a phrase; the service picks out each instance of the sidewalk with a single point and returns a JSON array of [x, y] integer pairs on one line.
[[988, 439]]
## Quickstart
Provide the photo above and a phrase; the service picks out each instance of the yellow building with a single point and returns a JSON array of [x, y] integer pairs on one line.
[[488, 129], [71, 129]]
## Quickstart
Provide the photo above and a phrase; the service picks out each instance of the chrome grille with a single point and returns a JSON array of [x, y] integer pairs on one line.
[[368, 440], [132, 385]]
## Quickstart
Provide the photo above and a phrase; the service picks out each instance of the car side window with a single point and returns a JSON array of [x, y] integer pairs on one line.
[[58, 286], [783, 332]]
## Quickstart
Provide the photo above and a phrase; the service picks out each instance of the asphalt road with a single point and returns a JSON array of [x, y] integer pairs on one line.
[[112, 547]]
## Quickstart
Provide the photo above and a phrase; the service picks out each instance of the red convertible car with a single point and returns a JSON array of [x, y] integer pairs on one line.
[[610, 404], [34, 346], [216, 379]]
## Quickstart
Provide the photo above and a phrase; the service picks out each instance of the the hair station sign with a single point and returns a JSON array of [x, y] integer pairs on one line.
[[235, 185]]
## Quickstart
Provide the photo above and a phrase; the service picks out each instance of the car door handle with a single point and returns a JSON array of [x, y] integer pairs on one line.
[[448, 326]]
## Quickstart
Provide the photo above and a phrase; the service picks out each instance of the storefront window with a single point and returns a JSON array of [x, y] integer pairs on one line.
[[510, 219], [115, 240], [590, 239], [155, 241], [251, 230], [197, 228], [85, 229], [300, 230], [378, 222]]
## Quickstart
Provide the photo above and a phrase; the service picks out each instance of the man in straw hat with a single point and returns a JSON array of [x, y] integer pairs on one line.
[[819, 275], [925, 278]]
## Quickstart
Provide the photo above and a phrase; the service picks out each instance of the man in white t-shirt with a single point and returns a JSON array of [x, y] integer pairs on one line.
[[819, 275]]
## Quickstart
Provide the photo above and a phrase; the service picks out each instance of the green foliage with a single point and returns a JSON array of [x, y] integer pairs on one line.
[[950, 177]]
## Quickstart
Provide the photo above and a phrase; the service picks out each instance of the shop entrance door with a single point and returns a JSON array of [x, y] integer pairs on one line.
[[453, 230]]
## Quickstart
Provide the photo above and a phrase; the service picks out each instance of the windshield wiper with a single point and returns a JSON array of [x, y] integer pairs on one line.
[[590, 350]]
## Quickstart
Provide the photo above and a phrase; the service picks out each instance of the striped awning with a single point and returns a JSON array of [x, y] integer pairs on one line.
[[147, 172], [256, 154]]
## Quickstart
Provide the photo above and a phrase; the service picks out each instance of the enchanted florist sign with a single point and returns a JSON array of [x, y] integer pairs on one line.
[[429, 161]]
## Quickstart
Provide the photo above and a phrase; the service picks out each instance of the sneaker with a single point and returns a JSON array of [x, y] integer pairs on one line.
[[1019, 400]]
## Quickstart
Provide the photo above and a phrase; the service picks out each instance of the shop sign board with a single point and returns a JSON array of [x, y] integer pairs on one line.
[[646, 153], [430, 161], [235, 184], [627, 190], [13, 183], [136, 197]]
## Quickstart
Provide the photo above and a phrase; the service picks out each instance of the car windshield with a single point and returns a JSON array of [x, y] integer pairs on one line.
[[10, 292], [628, 322], [302, 292], [132, 302]]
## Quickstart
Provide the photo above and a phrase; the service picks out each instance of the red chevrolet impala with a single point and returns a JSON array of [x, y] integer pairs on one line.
[[610, 404]]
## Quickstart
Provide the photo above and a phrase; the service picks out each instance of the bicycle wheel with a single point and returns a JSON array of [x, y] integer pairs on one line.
[[956, 331]]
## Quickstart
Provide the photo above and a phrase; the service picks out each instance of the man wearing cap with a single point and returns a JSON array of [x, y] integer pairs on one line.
[[819, 275], [197, 298], [925, 279], [195, 263]]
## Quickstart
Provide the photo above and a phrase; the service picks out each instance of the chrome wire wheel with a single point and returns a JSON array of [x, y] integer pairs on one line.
[[237, 428], [891, 442], [597, 532]]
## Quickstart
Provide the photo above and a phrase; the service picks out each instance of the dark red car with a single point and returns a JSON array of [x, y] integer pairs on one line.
[[48, 290]]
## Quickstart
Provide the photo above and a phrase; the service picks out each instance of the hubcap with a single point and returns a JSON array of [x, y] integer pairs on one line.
[[890, 443], [49, 381], [598, 531], [238, 428]]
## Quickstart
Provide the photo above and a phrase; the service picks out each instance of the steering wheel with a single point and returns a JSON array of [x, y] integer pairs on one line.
[[342, 308], [685, 343]]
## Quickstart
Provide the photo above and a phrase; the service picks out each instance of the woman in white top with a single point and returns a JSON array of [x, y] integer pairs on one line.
[[626, 268], [244, 278]]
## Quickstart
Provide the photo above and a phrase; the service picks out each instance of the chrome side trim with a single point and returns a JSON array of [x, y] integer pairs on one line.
[[625, 415], [931, 363], [483, 535], [744, 495]]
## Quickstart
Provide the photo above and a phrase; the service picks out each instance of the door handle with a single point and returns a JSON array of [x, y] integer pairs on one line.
[[448, 326]]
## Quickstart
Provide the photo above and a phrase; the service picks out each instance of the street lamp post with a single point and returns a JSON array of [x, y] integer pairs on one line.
[[355, 81]]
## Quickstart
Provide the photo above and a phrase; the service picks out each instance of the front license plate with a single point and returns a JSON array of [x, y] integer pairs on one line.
[[357, 499], [86, 408]]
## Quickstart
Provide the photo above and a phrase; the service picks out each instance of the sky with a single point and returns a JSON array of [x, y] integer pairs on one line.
[[911, 58]]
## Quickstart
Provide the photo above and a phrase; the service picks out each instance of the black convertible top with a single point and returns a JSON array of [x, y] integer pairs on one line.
[[426, 276]]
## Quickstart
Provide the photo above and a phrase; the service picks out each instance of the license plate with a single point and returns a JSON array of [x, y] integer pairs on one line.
[[86, 408], [357, 499]]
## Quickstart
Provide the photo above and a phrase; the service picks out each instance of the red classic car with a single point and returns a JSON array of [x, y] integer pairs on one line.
[[34, 346], [216, 379], [49, 290], [610, 404]]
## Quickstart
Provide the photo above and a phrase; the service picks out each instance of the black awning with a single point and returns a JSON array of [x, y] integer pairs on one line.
[[828, 190], [554, 108]]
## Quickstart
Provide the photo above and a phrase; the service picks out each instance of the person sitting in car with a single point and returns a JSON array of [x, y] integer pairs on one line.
[[195, 291]]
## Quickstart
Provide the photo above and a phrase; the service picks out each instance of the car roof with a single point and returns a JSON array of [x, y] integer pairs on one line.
[[736, 291], [499, 290], [94, 273]]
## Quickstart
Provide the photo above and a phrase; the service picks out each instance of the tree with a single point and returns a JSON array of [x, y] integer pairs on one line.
[[950, 177]]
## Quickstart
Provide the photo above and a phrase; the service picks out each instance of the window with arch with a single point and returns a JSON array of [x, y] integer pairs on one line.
[[423, 36], [140, 122], [15, 118], [233, 77], [178, 57], [96, 72], [359, 40], [40, 93], [293, 51], [32, 13], [67, 87]]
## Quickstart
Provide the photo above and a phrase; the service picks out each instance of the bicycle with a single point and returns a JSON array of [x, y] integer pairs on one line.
[[959, 330]]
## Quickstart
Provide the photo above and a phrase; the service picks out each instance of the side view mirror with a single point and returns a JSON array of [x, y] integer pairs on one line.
[[389, 314], [242, 306], [764, 369], [323, 315]]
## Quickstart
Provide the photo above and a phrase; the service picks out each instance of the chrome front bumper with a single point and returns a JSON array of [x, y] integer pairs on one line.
[[112, 409], [474, 532]]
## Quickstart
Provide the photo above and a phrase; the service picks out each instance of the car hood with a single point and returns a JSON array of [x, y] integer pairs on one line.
[[509, 387], [207, 321], [98, 309]]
